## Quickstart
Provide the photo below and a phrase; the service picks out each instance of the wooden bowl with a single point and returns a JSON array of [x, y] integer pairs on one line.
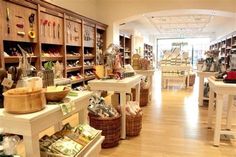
[[57, 96]]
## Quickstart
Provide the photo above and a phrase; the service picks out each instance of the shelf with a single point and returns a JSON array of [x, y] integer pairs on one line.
[[205, 98], [70, 69], [73, 57], [77, 81], [15, 59], [88, 67], [86, 78], [127, 57], [45, 59], [89, 56]]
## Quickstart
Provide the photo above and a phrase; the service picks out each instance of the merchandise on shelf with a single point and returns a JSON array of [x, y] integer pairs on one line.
[[69, 141]]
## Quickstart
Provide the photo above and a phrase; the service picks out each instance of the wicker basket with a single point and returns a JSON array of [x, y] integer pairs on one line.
[[144, 96], [191, 79], [133, 125], [111, 129]]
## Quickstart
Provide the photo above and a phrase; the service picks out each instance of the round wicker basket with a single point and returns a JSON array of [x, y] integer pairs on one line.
[[111, 129]]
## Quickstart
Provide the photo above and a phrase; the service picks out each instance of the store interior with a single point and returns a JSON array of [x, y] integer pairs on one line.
[[111, 78]]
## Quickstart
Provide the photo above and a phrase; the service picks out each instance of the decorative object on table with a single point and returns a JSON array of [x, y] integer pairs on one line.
[[3, 74], [56, 93], [144, 63], [135, 61], [58, 70], [230, 76], [133, 118], [113, 61], [29, 99]]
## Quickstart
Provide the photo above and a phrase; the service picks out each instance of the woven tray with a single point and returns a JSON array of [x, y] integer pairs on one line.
[[133, 125], [111, 129]]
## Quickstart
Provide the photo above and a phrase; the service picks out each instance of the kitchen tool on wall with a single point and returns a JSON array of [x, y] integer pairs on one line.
[[8, 20], [44, 27], [54, 29], [49, 29], [31, 33], [58, 30]]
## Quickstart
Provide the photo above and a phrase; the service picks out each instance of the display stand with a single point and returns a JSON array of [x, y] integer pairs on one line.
[[149, 74], [30, 125], [175, 69], [120, 86], [202, 75], [221, 89]]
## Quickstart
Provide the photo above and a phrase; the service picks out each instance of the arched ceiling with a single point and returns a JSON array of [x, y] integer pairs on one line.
[[183, 23]]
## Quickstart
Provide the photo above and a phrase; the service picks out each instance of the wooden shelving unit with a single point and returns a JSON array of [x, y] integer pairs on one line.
[[125, 48], [100, 44], [49, 33], [60, 35], [226, 45]]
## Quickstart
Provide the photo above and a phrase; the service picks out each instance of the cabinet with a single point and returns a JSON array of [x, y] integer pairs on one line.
[[125, 48], [50, 33]]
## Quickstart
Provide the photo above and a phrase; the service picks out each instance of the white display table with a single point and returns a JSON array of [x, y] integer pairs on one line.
[[121, 86], [30, 125], [202, 75], [221, 89], [173, 68], [149, 74]]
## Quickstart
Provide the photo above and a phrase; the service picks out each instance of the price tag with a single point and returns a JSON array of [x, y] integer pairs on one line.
[[7, 82]]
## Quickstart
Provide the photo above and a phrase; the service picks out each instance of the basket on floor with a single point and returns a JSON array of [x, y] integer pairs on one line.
[[111, 129], [133, 124], [191, 79], [144, 96]]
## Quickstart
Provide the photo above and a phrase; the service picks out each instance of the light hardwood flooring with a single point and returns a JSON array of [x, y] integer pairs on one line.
[[173, 126]]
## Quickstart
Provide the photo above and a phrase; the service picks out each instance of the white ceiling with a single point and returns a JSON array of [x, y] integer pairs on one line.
[[186, 25]]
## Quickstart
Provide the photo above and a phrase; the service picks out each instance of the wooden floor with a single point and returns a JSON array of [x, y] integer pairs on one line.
[[173, 126]]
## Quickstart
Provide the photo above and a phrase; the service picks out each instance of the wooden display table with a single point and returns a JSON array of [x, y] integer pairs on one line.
[[121, 86], [202, 75], [149, 74], [221, 89], [175, 68], [30, 125]]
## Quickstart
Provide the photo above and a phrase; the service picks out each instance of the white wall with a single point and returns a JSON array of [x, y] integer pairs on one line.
[[86, 8], [113, 12], [110, 11]]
